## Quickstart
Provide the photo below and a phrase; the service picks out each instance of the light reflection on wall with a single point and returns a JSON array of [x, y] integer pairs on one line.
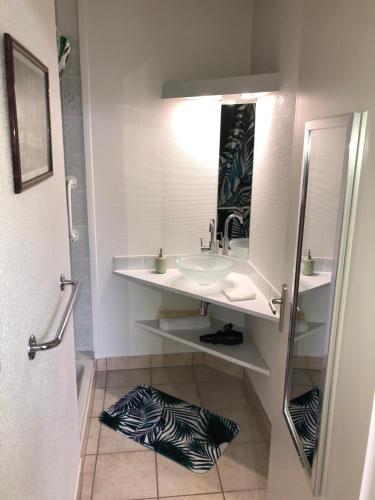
[[196, 128], [264, 122], [269, 208]]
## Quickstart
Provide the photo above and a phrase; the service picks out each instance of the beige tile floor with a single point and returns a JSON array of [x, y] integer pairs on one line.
[[303, 380], [117, 468]]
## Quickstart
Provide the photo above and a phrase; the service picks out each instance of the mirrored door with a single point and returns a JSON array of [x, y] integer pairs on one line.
[[329, 168]]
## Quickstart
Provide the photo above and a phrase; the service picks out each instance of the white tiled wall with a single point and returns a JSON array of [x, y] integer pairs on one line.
[[75, 165], [154, 163]]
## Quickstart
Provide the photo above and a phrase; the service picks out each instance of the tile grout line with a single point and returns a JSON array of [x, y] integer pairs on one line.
[[198, 495], [173, 383], [218, 475], [93, 478], [231, 379], [194, 376], [199, 395], [146, 450], [256, 415], [311, 378], [216, 466], [241, 491], [100, 431], [157, 475]]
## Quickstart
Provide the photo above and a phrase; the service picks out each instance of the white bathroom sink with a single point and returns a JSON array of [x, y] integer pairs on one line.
[[204, 269]]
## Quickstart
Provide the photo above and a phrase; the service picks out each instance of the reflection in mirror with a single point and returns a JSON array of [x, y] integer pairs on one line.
[[235, 175], [326, 193]]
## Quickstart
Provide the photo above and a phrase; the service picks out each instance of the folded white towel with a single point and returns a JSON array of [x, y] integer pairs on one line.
[[192, 323], [240, 293]]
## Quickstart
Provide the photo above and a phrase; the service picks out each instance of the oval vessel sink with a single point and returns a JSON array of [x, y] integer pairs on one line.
[[204, 269]]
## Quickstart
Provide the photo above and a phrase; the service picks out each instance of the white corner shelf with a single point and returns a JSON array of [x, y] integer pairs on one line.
[[311, 329], [229, 87], [317, 280], [246, 354], [173, 281]]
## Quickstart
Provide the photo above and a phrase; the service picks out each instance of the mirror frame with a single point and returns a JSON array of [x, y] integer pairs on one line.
[[355, 123]]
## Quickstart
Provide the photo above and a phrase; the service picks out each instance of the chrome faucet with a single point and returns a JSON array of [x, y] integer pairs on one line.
[[211, 246], [226, 231]]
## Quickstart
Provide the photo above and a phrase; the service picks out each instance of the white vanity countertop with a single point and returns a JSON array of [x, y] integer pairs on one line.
[[173, 281], [316, 280]]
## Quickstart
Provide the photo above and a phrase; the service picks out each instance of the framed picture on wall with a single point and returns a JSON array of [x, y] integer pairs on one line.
[[29, 115]]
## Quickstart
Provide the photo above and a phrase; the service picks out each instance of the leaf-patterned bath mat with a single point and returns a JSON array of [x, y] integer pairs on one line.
[[191, 436]]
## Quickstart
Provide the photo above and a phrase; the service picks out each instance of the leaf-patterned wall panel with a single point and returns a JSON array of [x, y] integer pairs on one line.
[[236, 166]]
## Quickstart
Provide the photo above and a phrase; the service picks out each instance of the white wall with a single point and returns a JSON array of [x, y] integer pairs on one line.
[[275, 47], [355, 378], [277, 27], [368, 478], [154, 164], [335, 77], [71, 102], [39, 437]]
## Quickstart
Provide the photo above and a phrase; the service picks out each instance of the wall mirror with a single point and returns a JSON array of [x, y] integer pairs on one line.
[[235, 175], [330, 153]]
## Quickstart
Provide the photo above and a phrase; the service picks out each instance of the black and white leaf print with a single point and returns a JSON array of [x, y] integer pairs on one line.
[[203, 453], [304, 411], [143, 414], [236, 165], [218, 429], [174, 451], [164, 398], [177, 427], [185, 433]]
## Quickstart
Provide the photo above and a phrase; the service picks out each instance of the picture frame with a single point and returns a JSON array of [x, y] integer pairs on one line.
[[29, 115]]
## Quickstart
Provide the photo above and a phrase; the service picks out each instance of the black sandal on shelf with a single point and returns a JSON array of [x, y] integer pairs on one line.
[[225, 336]]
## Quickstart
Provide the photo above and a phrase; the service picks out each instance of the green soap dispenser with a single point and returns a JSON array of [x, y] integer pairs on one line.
[[307, 267], [161, 263]]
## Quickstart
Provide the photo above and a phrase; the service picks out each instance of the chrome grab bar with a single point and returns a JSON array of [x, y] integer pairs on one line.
[[71, 183], [282, 303], [33, 346]]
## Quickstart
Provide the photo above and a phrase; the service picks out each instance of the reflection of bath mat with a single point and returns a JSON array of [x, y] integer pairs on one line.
[[304, 411], [187, 434]]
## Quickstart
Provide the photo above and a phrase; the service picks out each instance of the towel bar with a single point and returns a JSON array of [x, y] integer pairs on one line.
[[33, 346]]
